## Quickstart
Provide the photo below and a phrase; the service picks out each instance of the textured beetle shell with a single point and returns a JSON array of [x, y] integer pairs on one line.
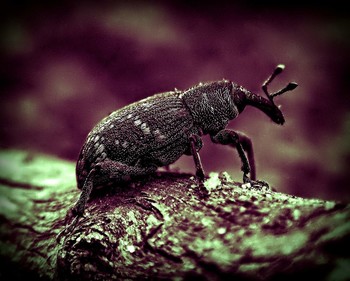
[[153, 131], [156, 131], [211, 105]]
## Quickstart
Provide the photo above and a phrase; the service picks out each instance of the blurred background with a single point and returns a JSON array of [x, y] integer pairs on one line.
[[67, 64]]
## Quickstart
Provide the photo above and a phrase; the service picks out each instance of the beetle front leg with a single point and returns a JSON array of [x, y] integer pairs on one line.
[[242, 143], [247, 146]]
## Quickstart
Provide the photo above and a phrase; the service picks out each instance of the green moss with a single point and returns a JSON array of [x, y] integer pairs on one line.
[[25, 167], [272, 245], [207, 221], [212, 182], [339, 230], [341, 271]]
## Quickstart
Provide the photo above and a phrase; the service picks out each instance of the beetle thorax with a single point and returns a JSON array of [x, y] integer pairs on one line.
[[211, 105]]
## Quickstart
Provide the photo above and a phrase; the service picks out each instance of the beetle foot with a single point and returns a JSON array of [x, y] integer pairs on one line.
[[74, 212], [201, 191], [255, 184], [68, 229], [71, 221]]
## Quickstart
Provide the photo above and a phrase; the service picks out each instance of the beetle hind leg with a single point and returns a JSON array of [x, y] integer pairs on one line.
[[79, 207], [108, 170]]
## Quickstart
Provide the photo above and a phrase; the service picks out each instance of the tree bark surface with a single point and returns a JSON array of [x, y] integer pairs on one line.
[[160, 228]]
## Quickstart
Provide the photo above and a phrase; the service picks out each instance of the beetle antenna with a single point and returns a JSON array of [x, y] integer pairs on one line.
[[291, 86]]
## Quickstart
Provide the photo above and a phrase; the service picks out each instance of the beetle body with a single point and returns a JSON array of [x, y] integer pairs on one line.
[[154, 132]]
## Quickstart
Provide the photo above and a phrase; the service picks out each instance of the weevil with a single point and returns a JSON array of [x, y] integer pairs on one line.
[[137, 139]]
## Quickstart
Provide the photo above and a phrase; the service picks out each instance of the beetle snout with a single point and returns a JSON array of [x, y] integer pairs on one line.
[[278, 117]]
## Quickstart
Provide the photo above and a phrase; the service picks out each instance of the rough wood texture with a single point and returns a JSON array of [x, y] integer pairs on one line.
[[160, 229]]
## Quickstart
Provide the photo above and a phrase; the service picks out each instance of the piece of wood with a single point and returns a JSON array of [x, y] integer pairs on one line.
[[160, 229]]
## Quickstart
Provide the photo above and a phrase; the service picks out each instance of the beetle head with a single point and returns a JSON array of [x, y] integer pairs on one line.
[[243, 97], [277, 115]]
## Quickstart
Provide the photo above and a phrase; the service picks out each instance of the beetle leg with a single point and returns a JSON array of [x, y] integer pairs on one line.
[[78, 209], [195, 146], [194, 141], [242, 143], [247, 146], [109, 170], [79, 206]]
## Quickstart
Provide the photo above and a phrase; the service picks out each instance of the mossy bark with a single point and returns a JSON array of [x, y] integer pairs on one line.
[[161, 229]]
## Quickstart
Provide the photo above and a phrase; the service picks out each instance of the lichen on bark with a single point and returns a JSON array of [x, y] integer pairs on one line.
[[161, 229]]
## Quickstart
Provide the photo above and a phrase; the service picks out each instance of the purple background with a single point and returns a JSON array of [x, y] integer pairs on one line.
[[65, 66]]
